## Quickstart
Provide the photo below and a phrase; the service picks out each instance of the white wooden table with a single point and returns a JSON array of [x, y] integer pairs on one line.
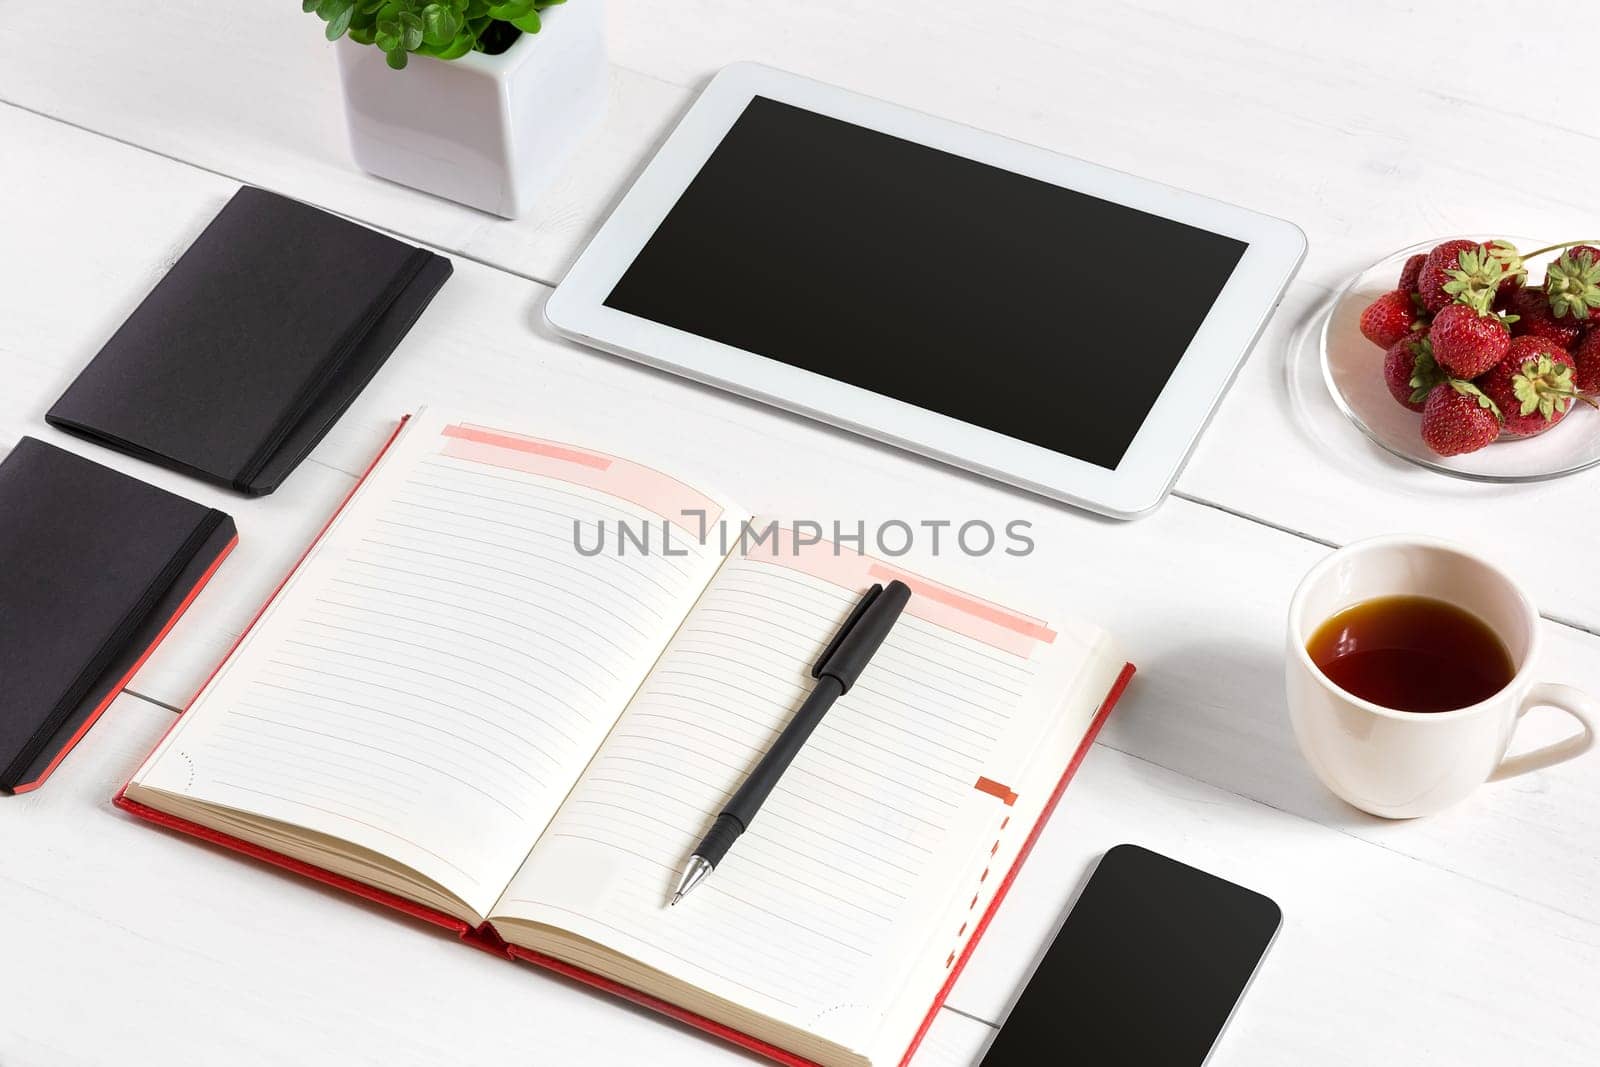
[[1470, 938]]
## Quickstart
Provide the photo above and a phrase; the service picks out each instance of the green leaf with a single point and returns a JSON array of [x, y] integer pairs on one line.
[[447, 29], [512, 10], [308, 6], [1509, 259], [1477, 279], [388, 35], [1425, 372], [1573, 285], [464, 40], [410, 29], [528, 23], [439, 25], [341, 21], [1543, 385], [1526, 393]]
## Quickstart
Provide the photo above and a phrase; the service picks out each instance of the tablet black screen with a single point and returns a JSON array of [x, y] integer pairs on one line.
[[998, 299]]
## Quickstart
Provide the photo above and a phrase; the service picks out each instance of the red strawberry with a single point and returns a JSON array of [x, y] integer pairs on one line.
[[1431, 276], [1573, 285], [1532, 386], [1409, 370], [1458, 418], [1466, 343], [1534, 319], [1586, 357], [1409, 273], [1580, 251], [1388, 318], [1465, 272]]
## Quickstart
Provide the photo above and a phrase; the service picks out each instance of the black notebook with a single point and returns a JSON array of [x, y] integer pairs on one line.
[[253, 344], [95, 567]]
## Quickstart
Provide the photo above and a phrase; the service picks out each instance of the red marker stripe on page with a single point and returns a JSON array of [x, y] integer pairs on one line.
[[995, 789]]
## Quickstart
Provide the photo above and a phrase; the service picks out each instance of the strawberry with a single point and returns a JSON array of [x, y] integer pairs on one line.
[[1467, 343], [1532, 386], [1389, 318], [1465, 272], [1535, 319], [1458, 418], [1431, 277], [1409, 273], [1409, 370], [1572, 284], [1586, 358]]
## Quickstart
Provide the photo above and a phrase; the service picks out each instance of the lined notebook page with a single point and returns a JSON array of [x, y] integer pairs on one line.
[[435, 677], [874, 829]]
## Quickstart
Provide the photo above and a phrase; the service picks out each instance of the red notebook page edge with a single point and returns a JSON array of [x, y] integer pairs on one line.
[[116, 690], [1100, 718], [278, 859], [672, 1011]]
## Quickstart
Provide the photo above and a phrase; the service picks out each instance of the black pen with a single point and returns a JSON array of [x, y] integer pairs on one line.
[[836, 670]]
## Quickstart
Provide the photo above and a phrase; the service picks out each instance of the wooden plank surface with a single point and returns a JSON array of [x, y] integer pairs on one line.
[[1329, 119], [1431, 933]]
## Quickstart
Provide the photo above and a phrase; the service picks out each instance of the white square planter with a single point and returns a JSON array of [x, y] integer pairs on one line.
[[487, 131]]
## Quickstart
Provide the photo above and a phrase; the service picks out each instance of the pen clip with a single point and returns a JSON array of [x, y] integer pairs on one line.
[[844, 629]]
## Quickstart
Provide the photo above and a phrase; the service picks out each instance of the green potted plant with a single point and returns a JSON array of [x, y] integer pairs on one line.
[[476, 101]]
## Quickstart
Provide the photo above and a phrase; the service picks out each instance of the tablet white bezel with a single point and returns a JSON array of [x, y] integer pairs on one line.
[[1170, 430]]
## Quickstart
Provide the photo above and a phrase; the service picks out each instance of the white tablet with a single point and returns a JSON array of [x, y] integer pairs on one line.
[[1021, 314]]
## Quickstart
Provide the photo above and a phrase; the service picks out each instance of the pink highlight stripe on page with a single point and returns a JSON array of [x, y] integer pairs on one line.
[[657, 493], [996, 626], [982, 609], [531, 445]]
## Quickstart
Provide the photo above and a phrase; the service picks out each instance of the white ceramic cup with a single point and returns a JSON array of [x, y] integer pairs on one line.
[[1401, 764]]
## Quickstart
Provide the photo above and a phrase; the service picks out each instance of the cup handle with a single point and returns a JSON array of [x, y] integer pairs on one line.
[[1578, 704]]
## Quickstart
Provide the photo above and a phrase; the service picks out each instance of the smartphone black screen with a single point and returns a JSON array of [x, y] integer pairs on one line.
[[1144, 973]]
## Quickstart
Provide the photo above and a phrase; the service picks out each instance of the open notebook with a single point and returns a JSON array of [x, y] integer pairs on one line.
[[458, 702]]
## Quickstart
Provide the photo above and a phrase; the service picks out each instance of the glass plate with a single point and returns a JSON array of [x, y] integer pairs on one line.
[[1352, 366]]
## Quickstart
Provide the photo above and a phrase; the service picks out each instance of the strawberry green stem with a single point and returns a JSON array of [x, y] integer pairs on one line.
[[1564, 244]]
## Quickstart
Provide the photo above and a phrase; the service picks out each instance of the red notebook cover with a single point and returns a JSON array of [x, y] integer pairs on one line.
[[484, 937]]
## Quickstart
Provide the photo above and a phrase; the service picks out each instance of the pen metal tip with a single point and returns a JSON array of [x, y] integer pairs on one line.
[[693, 871], [675, 898]]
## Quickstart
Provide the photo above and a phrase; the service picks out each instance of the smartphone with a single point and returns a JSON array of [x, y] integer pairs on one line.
[[1145, 971]]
